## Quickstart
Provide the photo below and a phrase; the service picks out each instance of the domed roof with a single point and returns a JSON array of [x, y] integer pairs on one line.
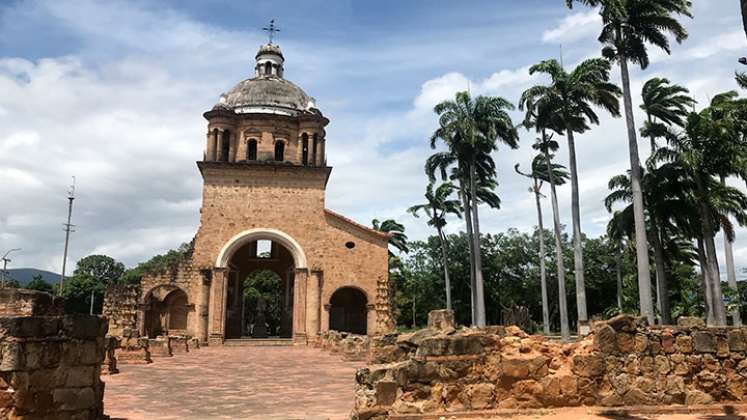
[[267, 92], [263, 94]]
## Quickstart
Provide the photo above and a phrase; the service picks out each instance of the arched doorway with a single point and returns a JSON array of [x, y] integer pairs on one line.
[[348, 311], [260, 286], [166, 311]]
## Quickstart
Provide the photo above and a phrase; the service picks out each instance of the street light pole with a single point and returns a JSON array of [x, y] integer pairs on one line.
[[68, 229], [6, 260]]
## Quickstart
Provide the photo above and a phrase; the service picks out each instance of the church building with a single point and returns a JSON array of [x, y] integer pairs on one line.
[[269, 259]]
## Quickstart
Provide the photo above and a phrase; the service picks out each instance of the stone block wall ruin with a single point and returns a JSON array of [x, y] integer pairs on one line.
[[51, 366], [120, 308], [623, 363]]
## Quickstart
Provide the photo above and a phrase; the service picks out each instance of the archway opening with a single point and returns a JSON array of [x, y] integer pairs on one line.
[[259, 302], [348, 311], [166, 311]]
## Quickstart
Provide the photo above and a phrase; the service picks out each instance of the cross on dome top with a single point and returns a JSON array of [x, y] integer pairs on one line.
[[271, 29]]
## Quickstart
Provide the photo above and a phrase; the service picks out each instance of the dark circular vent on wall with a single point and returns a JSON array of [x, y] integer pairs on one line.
[[350, 245]]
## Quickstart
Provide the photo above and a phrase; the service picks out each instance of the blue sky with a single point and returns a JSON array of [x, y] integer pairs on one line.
[[113, 92]]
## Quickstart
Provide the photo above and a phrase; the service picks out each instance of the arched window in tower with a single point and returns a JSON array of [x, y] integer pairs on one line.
[[313, 153], [268, 68], [304, 149], [279, 151], [225, 145], [251, 150]]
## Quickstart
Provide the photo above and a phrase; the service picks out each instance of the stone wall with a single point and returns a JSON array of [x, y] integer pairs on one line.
[[623, 363], [25, 302], [51, 367], [350, 346], [121, 307]]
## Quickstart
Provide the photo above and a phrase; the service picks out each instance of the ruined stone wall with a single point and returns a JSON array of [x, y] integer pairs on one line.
[[121, 309], [183, 277], [25, 302], [51, 367], [349, 346], [623, 363]]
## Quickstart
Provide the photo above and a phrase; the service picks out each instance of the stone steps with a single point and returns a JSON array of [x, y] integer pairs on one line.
[[256, 342]]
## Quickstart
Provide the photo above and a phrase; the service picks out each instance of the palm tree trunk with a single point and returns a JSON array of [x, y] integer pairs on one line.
[[618, 271], [543, 273], [731, 274], [662, 284], [479, 287], [744, 14], [445, 261], [562, 304], [468, 220], [641, 243], [713, 280], [662, 287], [578, 252], [704, 280]]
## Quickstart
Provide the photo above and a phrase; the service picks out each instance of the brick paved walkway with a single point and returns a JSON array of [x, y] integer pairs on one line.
[[234, 382]]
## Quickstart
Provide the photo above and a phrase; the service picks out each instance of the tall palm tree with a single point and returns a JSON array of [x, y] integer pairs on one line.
[[539, 174], [628, 26], [574, 95], [665, 105], [439, 204], [542, 116], [743, 4], [471, 130], [396, 231]]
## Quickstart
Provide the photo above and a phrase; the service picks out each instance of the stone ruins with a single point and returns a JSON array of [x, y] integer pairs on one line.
[[622, 363]]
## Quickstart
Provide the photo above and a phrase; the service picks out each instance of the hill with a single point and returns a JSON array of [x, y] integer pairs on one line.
[[25, 275]]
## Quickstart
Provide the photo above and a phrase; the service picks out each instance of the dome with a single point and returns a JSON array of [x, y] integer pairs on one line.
[[268, 95], [268, 91]]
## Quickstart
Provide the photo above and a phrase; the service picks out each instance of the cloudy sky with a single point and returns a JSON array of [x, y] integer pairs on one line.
[[112, 93]]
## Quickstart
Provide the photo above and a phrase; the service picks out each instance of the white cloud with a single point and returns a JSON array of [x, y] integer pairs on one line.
[[574, 27]]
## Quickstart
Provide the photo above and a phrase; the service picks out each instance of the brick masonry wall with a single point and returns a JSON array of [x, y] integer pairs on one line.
[[51, 367], [291, 199], [623, 363], [24, 302], [120, 308]]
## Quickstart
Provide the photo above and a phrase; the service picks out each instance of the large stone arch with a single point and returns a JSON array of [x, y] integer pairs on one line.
[[241, 239]]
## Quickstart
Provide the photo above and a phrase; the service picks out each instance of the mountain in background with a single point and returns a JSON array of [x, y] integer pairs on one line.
[[25, 275]]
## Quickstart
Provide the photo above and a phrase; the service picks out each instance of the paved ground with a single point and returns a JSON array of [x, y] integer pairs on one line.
[[273, 383], [234, 382]]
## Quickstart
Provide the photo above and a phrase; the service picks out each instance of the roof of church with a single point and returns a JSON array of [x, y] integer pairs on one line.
[[268, 93], [362, 227]]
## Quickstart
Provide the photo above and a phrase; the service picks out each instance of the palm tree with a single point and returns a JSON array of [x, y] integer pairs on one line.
[[396, 231], [542, 116], [744, 14], [573, 95], [628, 26], [665, 105], [539, 175], [438, 204], [471, 129]]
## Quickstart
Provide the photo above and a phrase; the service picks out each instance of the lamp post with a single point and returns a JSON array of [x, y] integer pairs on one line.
[[6, 260]]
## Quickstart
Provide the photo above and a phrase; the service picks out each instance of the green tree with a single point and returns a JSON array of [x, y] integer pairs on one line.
[[439, 204], [396, 232], [471, 129], [38, 283], [92, 275], [665, 105], [628, 26], [572, 96]]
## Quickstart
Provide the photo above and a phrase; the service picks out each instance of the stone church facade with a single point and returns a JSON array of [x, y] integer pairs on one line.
[[263, 209]]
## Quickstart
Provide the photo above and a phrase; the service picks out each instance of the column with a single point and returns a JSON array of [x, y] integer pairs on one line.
[[203, 312], [241, 148], [218, 306], [218, 144], [233, 141], [322, 155], [210, 150], [313, 304], [299, 306], [141, 308]]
